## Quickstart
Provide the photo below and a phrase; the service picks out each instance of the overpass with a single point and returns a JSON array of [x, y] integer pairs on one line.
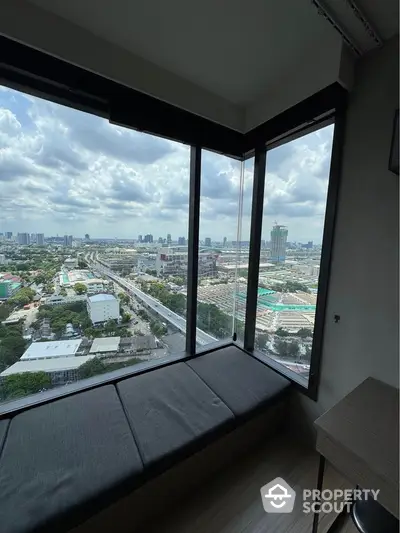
[[156, 306]]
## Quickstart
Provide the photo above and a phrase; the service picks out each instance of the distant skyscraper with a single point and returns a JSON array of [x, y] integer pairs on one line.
[[224, 242], [278, 243], [23, 238], [33, 238], [140, 238], [87, 236], [207, 241], [160, 240], [40, 239], [169, 240], [148, 238], [68, 240], [181, 241], [9, 235]]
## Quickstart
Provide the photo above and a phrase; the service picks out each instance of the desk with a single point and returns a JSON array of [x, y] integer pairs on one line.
[[359, 436]]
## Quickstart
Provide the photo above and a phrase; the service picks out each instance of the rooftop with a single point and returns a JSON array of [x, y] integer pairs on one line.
[[105, 344], [51, 349], [60, 364], [101, 297]]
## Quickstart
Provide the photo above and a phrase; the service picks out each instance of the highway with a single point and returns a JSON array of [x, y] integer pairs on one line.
[[166, 314]]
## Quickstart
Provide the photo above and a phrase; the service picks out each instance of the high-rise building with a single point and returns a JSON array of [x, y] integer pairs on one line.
[[87, 236], [9, 235], [181, 241], [207, 241], [40, 239], [23, 239], [68, 240], [148, 238], [33, 238], [140, 238], [169, 240], [224, 242], [160, 240], [278, 243]]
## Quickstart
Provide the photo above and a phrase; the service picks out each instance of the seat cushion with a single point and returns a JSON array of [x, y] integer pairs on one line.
[[3, 430], [241, 381], [170, 409], [62, 461]]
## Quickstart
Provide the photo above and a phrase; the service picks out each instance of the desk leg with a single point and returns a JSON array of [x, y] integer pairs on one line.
[[320, 482]]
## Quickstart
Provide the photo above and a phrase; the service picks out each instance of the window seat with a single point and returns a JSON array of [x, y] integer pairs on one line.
[[63, 461]]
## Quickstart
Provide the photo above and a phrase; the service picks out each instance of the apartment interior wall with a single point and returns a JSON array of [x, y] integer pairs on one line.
[[364, 281]]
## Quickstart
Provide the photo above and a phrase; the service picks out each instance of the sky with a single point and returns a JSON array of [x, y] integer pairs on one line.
[[63, 171]]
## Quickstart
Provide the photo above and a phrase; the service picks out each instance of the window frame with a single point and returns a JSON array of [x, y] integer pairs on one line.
[[42, 75]]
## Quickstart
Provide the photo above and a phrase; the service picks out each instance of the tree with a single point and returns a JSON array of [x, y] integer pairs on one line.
[[5, 311], [63, 291], [261, 340], [93, 367], [18, 385], [281, 348], [282, 332], [40, 279], [304, 333], [12, 346], [124, 298], [290, 349], [80, 288], [126, 317], [307, 355], [293, 349], [22, 297]]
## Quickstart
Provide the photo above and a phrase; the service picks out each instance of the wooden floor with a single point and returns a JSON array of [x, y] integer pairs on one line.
[[231, 502]]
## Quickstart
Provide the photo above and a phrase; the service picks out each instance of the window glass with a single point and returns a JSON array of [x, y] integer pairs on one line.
[[89, 213], [296, 185], [224, 232]]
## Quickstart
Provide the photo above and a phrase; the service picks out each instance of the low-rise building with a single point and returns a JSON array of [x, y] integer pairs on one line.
[[62, 370], [102, 307], [51, 350], [173, 260], [59, 300], [9, 285], [105, 346]]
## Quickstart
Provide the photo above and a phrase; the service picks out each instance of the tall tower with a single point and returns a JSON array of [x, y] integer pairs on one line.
[[278, 243]]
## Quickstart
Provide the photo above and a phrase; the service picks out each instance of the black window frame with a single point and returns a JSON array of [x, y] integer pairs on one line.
[[37, 73]]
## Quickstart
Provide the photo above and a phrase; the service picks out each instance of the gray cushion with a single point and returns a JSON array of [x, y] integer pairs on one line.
[[169, 409], [241, 381], [3, 430], [62, 460]]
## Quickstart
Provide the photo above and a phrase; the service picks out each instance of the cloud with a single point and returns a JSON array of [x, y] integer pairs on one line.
[[65, 171]]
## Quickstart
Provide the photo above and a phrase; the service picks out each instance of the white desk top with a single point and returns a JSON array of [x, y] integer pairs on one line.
[[361, 434]]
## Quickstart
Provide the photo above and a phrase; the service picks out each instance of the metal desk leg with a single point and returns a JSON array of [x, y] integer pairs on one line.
[[320, 481]]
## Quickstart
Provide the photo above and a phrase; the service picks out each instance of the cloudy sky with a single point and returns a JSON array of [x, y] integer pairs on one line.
[[63, 171]]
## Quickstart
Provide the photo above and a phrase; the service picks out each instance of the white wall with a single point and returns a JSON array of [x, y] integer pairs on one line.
[[103, 310], [364, 285]]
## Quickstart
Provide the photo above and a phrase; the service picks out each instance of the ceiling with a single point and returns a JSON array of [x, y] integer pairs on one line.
[[229, 47], [237, 62]]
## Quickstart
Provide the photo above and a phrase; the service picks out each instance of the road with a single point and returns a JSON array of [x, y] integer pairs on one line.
[[175, 320]]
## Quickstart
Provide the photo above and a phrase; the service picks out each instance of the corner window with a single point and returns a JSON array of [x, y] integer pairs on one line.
[[295, 198], [92, 217]]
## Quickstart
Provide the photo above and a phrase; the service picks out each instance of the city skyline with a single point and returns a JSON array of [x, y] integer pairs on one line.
[[64, 170]]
